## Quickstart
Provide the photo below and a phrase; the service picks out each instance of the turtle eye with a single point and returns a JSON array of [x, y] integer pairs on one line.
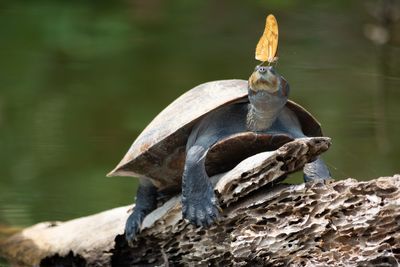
[[262, 69]]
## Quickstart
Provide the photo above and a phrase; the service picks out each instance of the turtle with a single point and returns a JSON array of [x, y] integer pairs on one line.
[[208, 130]]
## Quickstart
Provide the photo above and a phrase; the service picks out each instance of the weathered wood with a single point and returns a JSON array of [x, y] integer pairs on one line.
[[264, 223]]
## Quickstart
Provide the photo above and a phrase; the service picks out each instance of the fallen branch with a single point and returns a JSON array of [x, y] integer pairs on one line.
[[263, 223]]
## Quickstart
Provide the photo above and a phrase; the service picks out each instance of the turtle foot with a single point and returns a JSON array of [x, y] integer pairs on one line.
[[132, 227], [146, 202], [315, 171], [201, 208]]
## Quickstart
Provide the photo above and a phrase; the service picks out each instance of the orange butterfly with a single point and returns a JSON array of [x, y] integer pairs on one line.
[[268, 44]]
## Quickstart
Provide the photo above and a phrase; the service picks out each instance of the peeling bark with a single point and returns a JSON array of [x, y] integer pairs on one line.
[[264, 223]]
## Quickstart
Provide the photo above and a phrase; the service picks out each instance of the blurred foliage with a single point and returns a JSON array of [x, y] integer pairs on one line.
[[79, 80]]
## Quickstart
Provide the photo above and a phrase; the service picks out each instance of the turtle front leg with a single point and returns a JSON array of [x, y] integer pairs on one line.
[[146, 202], [316, 170], [199, 204]]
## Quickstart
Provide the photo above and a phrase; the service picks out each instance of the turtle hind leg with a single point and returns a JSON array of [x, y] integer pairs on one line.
[[316, 170], [146, 202], [199, 203]]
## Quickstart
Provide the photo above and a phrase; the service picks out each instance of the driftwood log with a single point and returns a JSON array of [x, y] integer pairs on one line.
[[264, 223]]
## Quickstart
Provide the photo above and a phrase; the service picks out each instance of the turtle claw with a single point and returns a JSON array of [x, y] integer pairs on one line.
[[200, 209]]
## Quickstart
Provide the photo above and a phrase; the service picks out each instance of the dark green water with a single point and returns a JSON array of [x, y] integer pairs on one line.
[[79, 80]]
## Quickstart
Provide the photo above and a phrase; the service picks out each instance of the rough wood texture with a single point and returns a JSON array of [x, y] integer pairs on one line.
[[345, 223]]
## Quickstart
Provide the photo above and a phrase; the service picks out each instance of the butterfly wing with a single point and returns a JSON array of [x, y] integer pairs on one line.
[[268, 44]]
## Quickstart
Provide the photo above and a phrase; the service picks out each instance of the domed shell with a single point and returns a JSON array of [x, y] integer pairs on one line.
[[158, 152]]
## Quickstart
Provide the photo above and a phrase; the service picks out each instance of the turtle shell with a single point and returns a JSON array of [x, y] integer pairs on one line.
[[158, 152]]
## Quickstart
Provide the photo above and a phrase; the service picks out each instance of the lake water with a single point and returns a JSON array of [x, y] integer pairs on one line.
[[79, 80]]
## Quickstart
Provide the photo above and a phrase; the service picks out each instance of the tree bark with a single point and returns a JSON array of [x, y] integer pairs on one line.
[[264, 223]]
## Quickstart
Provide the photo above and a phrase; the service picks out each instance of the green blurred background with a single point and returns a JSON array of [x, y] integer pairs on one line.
[[79, 80]]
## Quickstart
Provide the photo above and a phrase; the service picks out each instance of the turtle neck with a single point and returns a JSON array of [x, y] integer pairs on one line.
[[263, 109]]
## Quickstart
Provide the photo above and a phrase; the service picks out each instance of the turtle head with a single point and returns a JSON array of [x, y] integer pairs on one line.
[[266, 79], [268, 94]]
